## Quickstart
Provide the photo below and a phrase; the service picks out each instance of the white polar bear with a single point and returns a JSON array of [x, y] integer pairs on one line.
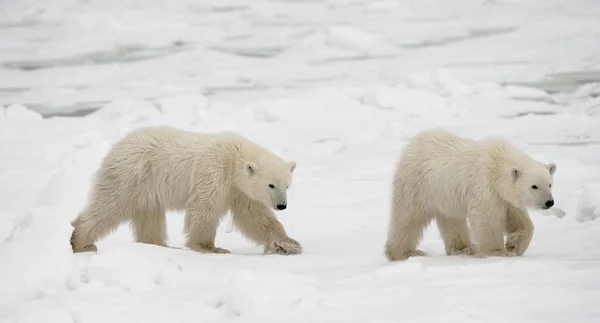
[[155, 169], [451, 179]]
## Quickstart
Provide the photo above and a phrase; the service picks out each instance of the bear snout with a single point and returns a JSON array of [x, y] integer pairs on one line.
[[281, 206], [549, 204]]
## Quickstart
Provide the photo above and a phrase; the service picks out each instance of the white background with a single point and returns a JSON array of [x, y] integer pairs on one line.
[[338, 86]]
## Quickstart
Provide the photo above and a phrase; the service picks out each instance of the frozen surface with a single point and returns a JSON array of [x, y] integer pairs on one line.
[[339, 86]]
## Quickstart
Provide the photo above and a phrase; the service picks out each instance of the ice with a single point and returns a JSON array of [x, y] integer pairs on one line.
[[339, 86], [143, 270], [342, 42]]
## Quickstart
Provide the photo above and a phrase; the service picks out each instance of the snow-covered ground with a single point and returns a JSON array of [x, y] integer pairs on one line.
[[339, 86]]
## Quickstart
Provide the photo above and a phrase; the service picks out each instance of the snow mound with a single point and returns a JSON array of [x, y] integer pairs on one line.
[[69, 186], [407, 101], [331, 104], [478, 99], [183, 108], [588, 208], [132, 267], [498, 102], [37, 259], [18, 111], [440, 82], [590, 106], [127, 111], [251, 292], [7, 225]]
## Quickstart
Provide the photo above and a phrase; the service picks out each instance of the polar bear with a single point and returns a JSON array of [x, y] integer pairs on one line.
[[451, 179], [155, 169]]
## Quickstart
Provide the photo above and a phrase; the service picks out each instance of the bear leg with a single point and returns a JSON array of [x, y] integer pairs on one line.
[[519, 230], [200, 225], [405, 232], [96, 221], [150, 227], [455, 233], [258, 223], [487, 226]]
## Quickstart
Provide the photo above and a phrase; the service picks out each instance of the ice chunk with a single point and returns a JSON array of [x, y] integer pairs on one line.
[[559, 213], [588, 208]]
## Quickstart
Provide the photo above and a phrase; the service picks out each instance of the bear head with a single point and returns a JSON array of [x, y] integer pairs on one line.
[[267, 181], [532, 185]]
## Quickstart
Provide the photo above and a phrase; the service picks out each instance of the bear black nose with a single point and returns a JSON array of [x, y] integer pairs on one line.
[[283, 206], [549, 203]]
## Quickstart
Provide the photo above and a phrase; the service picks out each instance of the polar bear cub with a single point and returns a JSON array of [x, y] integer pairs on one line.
[[451, 179], [156, 169]]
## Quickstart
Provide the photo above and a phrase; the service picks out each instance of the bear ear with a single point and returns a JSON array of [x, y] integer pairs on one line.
[[292, 165], [250, 168], [552, 168], [515, 173]]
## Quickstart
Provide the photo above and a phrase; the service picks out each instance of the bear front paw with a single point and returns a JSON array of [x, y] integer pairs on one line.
[[220, 250], [497, 253], [514, 243], [207, 249], [88, 248], [464, 251], [396, 256], [283, 246]]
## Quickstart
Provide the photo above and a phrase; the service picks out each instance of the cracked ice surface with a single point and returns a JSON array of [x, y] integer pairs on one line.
[[339, 86]]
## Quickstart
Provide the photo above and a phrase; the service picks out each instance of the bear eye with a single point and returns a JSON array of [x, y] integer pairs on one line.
[[534, 187], [271, 186], [549, 185]]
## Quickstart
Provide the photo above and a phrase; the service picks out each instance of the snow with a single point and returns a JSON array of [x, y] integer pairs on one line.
[[337, 85]]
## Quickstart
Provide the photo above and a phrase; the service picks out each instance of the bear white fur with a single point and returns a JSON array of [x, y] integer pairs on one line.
[[451, 179], [156, 169]]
